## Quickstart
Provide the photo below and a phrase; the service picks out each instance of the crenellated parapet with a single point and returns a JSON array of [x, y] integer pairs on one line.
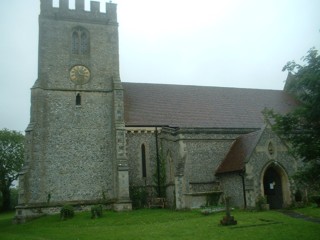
[[79, 13]]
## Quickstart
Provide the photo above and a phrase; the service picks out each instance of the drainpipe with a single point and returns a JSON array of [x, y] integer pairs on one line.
[[242, 175], [158, 162]]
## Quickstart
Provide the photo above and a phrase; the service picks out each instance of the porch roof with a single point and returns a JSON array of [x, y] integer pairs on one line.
[[239, 153]]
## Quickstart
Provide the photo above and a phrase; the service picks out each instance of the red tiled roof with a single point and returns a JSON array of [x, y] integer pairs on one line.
[[240, 151], [200, 107]]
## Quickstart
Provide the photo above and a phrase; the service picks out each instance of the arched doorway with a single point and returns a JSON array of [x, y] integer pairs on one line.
[[273, 187]]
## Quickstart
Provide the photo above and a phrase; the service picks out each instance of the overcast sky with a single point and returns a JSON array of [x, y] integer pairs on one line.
[[228, 43]]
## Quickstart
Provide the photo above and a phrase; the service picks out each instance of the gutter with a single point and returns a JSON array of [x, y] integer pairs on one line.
[[242, 175], [158, 163]]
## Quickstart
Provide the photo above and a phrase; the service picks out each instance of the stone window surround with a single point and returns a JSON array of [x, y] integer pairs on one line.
[[80, 41]]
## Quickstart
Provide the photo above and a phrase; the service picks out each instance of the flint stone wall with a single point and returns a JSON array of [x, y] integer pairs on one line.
[[73, 150], [135, 139], [191, 161], [261, 159]]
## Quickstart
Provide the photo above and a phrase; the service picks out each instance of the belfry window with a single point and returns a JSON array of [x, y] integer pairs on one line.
[[75, 43], [143, 161], [78, 99], [80, 41], [84, 43]]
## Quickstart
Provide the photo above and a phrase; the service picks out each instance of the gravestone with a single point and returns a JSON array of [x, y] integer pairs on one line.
[[228, 219]]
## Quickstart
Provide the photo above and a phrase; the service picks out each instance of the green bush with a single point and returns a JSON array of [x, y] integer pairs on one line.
[[316, 199], [260, 202], [1, 200], [13, 198], [139, 197], [66, 212], [96, 211], [213, 199]]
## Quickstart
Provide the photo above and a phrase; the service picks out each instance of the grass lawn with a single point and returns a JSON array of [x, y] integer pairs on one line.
[[312, 211], [161, 224]]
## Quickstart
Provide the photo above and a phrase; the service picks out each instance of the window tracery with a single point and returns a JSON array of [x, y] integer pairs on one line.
[[80, 41]]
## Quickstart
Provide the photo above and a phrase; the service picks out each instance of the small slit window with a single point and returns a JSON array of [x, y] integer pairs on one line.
[[78, 99], [143, 161]]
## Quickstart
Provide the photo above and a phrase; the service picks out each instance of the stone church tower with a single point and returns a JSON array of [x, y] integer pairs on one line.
[[75, 149]]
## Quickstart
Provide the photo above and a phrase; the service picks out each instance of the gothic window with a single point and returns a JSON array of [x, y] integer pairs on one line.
[[80, 41], [78, 99], [75, 43], [143, 161], [84, 43]]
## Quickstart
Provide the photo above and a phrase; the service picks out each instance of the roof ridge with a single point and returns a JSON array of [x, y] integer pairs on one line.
[[199, 86]]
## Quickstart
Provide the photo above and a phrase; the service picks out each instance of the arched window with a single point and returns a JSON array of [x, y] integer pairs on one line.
[[143, 161], [78, 99], [84, 48], [75, 43], [80, 41]]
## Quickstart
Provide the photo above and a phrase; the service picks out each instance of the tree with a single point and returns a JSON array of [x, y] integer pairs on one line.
[[11, 160], [301, 127]]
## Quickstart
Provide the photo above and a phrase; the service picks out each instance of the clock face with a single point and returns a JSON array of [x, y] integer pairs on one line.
[[79, 74]]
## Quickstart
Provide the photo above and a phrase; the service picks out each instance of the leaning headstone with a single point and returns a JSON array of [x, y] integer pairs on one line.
[[228, 219]]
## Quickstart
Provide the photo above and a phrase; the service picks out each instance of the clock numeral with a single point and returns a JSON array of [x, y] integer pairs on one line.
[[79, 74]]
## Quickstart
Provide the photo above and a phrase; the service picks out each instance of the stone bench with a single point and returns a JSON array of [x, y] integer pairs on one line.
[[157, 203]]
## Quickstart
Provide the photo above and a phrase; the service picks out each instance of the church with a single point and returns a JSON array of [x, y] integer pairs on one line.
[[95, 139]]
